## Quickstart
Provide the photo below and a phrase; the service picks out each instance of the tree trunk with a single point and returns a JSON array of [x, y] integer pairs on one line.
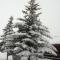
[[36, 58], [7, 56], [29, 58], [15, 57]]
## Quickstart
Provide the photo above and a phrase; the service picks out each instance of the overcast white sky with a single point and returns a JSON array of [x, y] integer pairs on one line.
[[50, 14]]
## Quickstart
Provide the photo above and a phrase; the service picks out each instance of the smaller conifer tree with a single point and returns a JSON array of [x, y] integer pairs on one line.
[[6, 40]]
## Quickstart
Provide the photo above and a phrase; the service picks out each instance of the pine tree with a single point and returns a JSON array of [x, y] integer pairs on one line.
[[31, 37], [32, 33], [6, 39]]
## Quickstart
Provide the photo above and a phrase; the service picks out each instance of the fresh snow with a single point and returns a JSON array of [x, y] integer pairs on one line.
[[24, 53], [34, 32], [19, 23]]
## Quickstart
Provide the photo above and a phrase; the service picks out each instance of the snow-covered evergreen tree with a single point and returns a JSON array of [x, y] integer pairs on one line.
[[32, 34], [7, 43]]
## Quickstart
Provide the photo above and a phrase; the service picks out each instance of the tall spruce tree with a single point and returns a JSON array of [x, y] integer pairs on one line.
[[32, 33]]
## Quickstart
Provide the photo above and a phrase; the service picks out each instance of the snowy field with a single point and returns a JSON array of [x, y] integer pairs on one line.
[[10, 58], [3, 57], [24, 59]]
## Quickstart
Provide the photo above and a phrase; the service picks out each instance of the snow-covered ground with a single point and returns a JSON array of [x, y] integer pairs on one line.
[[3, 57]]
